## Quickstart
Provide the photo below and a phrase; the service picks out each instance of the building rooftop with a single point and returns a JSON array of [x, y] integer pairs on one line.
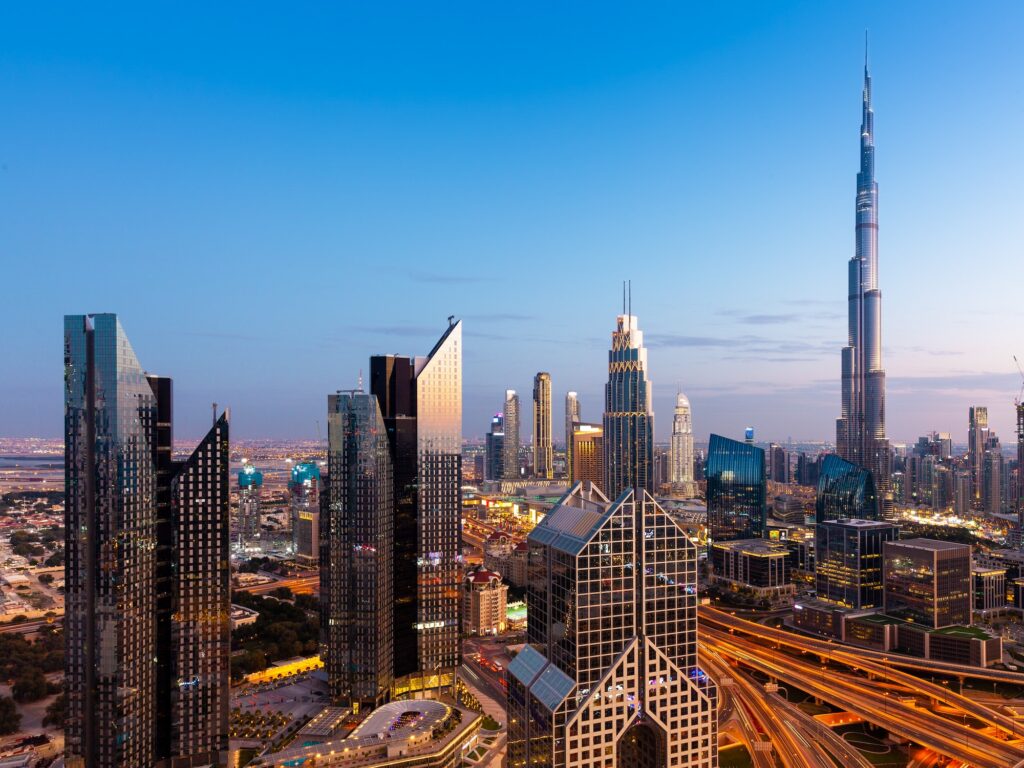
[[931, 545], [854, 522], [755, 547]]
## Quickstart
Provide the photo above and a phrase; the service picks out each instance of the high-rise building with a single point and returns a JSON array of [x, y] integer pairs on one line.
[[511, 413], [737, 493], [977, 437], [147, 543], [681, 448], [356, 578], [609, 675], [200, 627], [860, 430], [543, 453], [1020, 471], [848, 561], [928, 582], [844, 491], [587, 454], [304, 496], [494, 464], [572, 418], [628, 416], [779, 463], [962, 493], [250, 488], [992, 476], [421, 403]]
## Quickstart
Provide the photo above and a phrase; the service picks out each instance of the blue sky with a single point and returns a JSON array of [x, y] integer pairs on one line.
[[269, 194]]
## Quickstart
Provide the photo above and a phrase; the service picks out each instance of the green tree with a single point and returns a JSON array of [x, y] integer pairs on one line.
[[30, 685], [56, 712], [10, 717]]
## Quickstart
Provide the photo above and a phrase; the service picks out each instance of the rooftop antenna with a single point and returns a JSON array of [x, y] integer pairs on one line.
[[865, 49], [360, 387], [451, 320], [215, 410], [630, 312], [623, 297]]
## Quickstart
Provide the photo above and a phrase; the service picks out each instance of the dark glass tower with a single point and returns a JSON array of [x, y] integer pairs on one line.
[[147, 589], [845, 491], [848, 567], [421, 404], [357, 576], [111, 548], [628, 416], [736, 490], [860, 430], [200, 622]]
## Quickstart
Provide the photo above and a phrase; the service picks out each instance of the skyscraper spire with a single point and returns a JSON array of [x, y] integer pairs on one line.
[[860, 431]]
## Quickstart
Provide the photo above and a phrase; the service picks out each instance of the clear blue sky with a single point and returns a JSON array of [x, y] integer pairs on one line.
[[267, 194]]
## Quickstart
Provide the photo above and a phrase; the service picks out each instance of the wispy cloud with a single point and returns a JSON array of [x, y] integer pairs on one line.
[[442, 279], [394, 330], [748, 345]]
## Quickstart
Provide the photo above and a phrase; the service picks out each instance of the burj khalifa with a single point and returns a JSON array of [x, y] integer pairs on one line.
[[860, 431]]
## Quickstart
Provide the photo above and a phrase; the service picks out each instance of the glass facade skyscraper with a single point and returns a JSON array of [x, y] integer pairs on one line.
[[421, 404], [250, 489], [147, 603], [628, 416], [860, 429], [543, 452], [357, 590], [494, 458], [511, 413], [736, 490], [845, 491], [572, 418], [609, 676]]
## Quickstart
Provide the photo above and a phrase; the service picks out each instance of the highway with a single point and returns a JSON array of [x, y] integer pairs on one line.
[[27, 627], [732, 707], [707, 613], [299, 585], [856, 659], [948, 737]]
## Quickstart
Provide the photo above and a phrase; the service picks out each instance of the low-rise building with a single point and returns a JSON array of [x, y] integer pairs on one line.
[[484, 603], [240, 616], [423, 733], [758, 565]]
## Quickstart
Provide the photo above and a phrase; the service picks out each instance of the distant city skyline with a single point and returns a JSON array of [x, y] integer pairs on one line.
[[707, 154]]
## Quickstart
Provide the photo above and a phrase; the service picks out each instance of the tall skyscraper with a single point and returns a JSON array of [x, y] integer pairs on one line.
[[511, 417], [681, 448], [250, 489], [543, 455], [304, 496], [977, 438], [494, 450], [609, 675], [860, 430], [778, 458], [628, 416], [421, 403], [357, 589], [992, 476], [737, 492], [572, 418], [147, 605], [1020, 470]]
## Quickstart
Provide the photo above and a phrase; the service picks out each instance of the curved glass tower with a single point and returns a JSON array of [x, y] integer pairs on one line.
[[737, 490], [844, 491], [860, 430]]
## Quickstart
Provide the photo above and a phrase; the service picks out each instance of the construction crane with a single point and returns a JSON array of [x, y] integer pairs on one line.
[[1020, 395]]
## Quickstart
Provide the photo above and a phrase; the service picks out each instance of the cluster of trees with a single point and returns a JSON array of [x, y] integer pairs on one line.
[[34, 545], [283, 630], [17, 655], [10, 717], [254, 564]]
